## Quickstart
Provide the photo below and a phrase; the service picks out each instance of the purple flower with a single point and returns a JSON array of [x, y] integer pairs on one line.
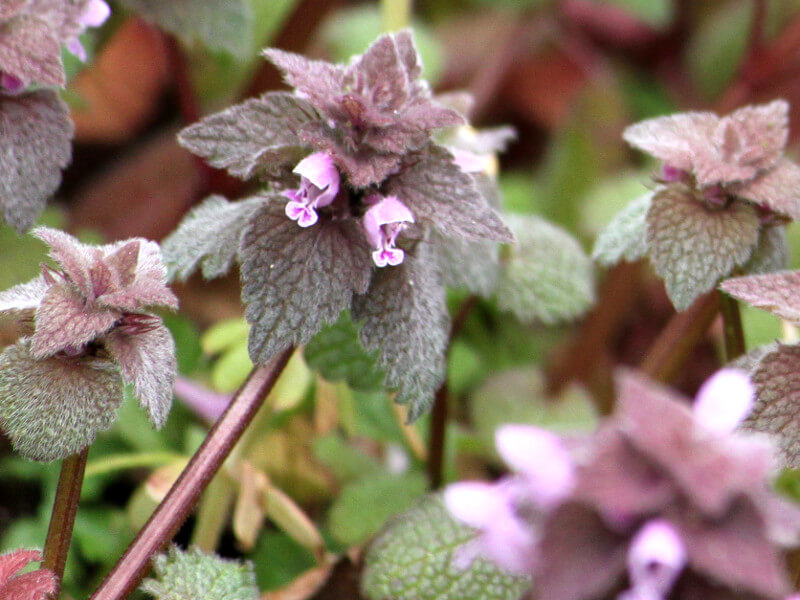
[[383, 222], [724, 401], [319, 185], [11, 84], [96, 13], [503, 536], [506, 513], [655, 559]]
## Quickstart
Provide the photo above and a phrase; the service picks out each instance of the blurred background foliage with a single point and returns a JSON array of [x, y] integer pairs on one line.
[[329, 459]]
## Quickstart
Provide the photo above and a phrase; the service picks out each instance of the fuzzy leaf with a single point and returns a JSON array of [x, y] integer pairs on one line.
[[471, 265], [64, 320], [258, 135], [35, 143], [771, 253], [364, 505], [734, 550], [413, 559], [33, 585], [405, 318], [775, 292], [23, 298], [337, 354], [778, 189], [437, 191], [208, 236], [31, 51], [147, 361], [625, 238], [692, 247], [777, 409], [193, 575], [219, 24], [545, 275], [295, 279], [53, 408]]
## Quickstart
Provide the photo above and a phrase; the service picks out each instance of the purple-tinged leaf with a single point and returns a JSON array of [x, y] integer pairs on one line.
[[692, 246], [65, 322], [218, 24], [576, 537], [545, 274], [12, 562], [74, 258], [711, 470], [295, 279], [733, 550], [437, 191], [625, 238], [209, 236], [35, 143], [779, 293], [31, 51], [11, 8], [147, 361], [777, 408], [771, 253], [676, 140], [317, 80], [22, 300], [404, 317], [65, 17], [777, 189], [259, 136], [620, 483], [53, 408], [35, 585]]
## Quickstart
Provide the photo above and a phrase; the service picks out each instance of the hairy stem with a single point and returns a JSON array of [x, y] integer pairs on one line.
[[732, 327], [395, 14], [62, 520], [436, 440], [679, 337], [170, 514]]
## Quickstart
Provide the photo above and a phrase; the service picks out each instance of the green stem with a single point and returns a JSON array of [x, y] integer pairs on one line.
[[732, 328], [395, 14], [62, 520], [121, 462], [173, 510]]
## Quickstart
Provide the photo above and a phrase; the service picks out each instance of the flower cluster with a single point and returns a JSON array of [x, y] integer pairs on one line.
[[86, 328], [668, 496], [723, 197], [356, 181], [46, 26], [35, 585]]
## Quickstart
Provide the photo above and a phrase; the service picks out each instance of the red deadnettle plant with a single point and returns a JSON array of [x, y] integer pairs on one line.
[[35, 128], [86, 330], [720, 204], [34, 585], [360, 199]]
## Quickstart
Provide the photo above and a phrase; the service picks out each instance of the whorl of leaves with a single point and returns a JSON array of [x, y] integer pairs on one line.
[[413, 558], [194, 575]]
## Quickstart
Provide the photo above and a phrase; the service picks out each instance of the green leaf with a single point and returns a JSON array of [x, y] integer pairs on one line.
[[609, 197], [231, 369], [625, 238], [519, 396], [102, 533], [187, 341], [692, 246], [545, 275], [656, 13], [279, 560], [412, 559], [338, 355], [219, 24], [224, 335], [716, 48], [346, 462], [364, 506], [193, 575]]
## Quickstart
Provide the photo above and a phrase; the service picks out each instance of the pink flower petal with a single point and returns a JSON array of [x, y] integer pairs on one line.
[[655, 558], [724, 400], [476, 503], [541, 458], [320, 170], [96, 14]]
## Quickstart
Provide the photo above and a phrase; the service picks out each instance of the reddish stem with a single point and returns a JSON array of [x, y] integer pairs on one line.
[[170, 514]]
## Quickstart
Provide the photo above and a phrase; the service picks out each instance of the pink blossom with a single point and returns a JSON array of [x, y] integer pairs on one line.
[[96, 13], [319, 185], [656, 557], [724, 401], [383, 222]]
